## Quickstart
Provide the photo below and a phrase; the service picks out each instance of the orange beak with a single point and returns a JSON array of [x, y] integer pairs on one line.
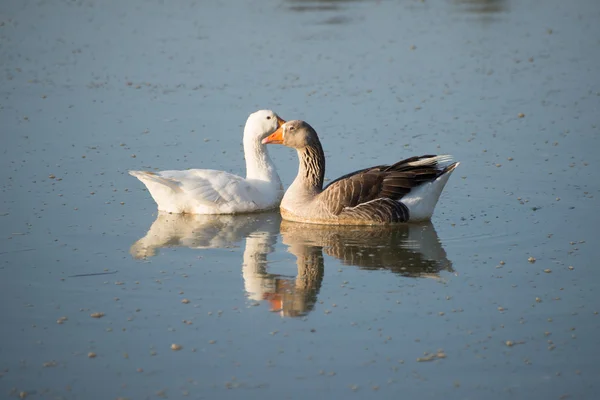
[[280, 122], [277, 136]]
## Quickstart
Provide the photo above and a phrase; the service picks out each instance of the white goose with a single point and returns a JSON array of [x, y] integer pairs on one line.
[[207, 191], [405, 191]]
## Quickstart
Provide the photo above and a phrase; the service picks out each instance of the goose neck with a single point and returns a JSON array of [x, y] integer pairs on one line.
[[312, 167]]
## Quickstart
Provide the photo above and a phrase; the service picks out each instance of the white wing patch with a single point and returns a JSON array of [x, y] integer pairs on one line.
[[201, 191], [211, 186]]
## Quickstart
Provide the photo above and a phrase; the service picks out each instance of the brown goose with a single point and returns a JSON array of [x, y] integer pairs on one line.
[[402, 192]]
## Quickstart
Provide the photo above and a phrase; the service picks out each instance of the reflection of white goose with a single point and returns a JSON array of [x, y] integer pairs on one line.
[[257, 281], [201, 231], [292, 296], [412, 250]]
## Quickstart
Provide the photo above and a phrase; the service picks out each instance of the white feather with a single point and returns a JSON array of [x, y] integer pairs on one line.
[[207, 191], [437, 160], [421, 200]]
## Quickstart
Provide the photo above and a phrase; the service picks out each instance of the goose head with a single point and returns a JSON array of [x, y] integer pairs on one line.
[[296, 134], [261, 124]]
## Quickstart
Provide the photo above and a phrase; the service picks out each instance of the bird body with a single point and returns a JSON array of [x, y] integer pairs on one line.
[[405, 191], [208, 191]]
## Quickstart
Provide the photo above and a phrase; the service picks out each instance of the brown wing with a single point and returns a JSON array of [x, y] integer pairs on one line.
[[379, 210], [381, 182]]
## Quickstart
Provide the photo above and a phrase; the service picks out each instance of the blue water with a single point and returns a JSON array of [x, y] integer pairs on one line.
[[452, 309]]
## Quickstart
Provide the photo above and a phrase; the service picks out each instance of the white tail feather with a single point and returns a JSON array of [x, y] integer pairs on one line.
[[421, 200], [152, 178], [441, 159]]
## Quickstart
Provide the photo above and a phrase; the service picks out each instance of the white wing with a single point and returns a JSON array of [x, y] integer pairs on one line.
[[213, 191], [211, 186]]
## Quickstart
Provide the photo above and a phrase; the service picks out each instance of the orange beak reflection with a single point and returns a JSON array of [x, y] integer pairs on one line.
[[277, 136], [275, 301]]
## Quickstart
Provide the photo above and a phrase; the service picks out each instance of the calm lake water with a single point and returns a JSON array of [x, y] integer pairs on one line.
[[495, 298]]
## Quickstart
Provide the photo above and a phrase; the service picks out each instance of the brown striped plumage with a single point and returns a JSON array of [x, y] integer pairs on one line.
[[368, 196]]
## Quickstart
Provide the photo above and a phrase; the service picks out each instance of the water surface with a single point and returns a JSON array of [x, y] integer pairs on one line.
[[495, 298]]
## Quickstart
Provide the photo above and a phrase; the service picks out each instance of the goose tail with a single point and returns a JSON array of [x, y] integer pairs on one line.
[[421, 201], [161, 189]]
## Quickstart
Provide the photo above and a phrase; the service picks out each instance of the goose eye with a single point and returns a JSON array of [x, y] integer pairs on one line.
[[291, 128], [269, 117]]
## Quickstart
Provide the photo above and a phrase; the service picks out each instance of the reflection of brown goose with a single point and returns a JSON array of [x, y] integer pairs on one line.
[[201, 231], [411, 250], [291, 296]]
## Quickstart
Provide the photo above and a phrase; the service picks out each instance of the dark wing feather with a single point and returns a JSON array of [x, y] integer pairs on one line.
[[381, 182], [377, 168], [379, 210]]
